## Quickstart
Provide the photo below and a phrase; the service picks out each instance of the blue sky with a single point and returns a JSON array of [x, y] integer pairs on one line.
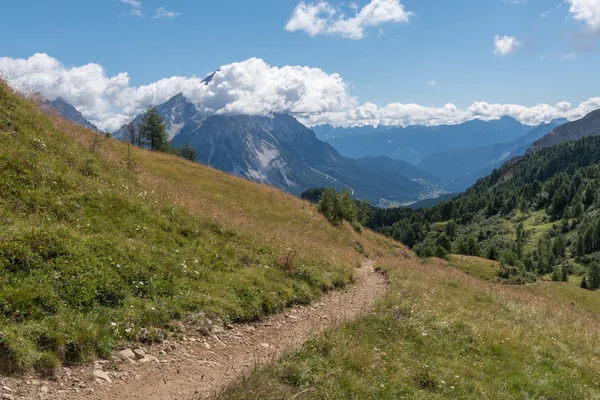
[[438, 52]]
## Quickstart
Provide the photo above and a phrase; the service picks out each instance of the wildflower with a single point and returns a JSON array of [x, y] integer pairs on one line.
[[113, 323]]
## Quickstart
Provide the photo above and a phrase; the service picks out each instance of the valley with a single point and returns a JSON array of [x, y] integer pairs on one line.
[[299, 200]]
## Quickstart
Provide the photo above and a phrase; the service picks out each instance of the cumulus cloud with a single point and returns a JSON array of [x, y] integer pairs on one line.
[[398, 114], [322, 18], [506, 45], [251, 87], [587, 11], [248, 87], [431, 83]]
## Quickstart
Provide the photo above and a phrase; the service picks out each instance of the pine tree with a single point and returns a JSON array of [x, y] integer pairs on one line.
[[451, 228], [153, 131], [443, 241], [326, 204], [594, 276], [187, 152]]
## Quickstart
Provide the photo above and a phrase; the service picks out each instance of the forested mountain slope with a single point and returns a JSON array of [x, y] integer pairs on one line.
[[539, 214]]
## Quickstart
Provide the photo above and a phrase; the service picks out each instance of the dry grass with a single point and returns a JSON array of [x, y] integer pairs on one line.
[[263, 213]]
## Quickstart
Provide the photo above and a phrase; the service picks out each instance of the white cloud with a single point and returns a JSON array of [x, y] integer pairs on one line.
[[248, 87], [136, 7], [506, 45], [397, 114], [251, 87], [322, 18], [161, 12], [587, 11], [431, 83]]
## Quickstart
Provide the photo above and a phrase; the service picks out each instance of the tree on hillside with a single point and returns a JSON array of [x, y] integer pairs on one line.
[[451, 229], [312, 195], [187, 152], [594, 276], [153, 131]]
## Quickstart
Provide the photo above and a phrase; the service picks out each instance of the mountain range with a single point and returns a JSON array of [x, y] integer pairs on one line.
[[375, 163], [69, 112], [414, 143], [461, 168], [282, 152]]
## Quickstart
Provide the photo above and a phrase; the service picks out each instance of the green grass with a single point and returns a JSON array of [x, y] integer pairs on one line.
[[93, 255], [570, 294], [476, 266], [441, 334]]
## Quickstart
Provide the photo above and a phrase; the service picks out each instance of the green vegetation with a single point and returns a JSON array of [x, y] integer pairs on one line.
[[442, 334], [94, 253], [338, 207], [538, 216], [152, 130]]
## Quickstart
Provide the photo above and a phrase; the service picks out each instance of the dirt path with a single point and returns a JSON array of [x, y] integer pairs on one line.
[[198, 367]]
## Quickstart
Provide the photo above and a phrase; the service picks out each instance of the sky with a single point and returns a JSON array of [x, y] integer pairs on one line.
[[391, 62]]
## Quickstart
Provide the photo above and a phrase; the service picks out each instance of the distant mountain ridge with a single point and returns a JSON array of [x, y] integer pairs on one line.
[[327, 131], [282, 152], [587, 126], [69, 112], [414, 143], [460, 169]]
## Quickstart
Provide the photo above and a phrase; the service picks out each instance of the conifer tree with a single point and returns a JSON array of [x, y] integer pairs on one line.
[[594, 276], [153, 131]]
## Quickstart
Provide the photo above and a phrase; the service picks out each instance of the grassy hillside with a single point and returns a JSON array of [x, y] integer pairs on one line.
[[93, 253], [443, 334]]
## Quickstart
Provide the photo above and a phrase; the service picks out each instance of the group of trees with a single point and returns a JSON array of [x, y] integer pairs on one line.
[[340, 206], [151, 133], [487, 220]]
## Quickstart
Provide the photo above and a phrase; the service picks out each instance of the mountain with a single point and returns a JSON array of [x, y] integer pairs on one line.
[[587, 126], [327, 131], [178, 112], [69, 112], [414, 143], [538, 215], [282, 152], [459, 169]]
